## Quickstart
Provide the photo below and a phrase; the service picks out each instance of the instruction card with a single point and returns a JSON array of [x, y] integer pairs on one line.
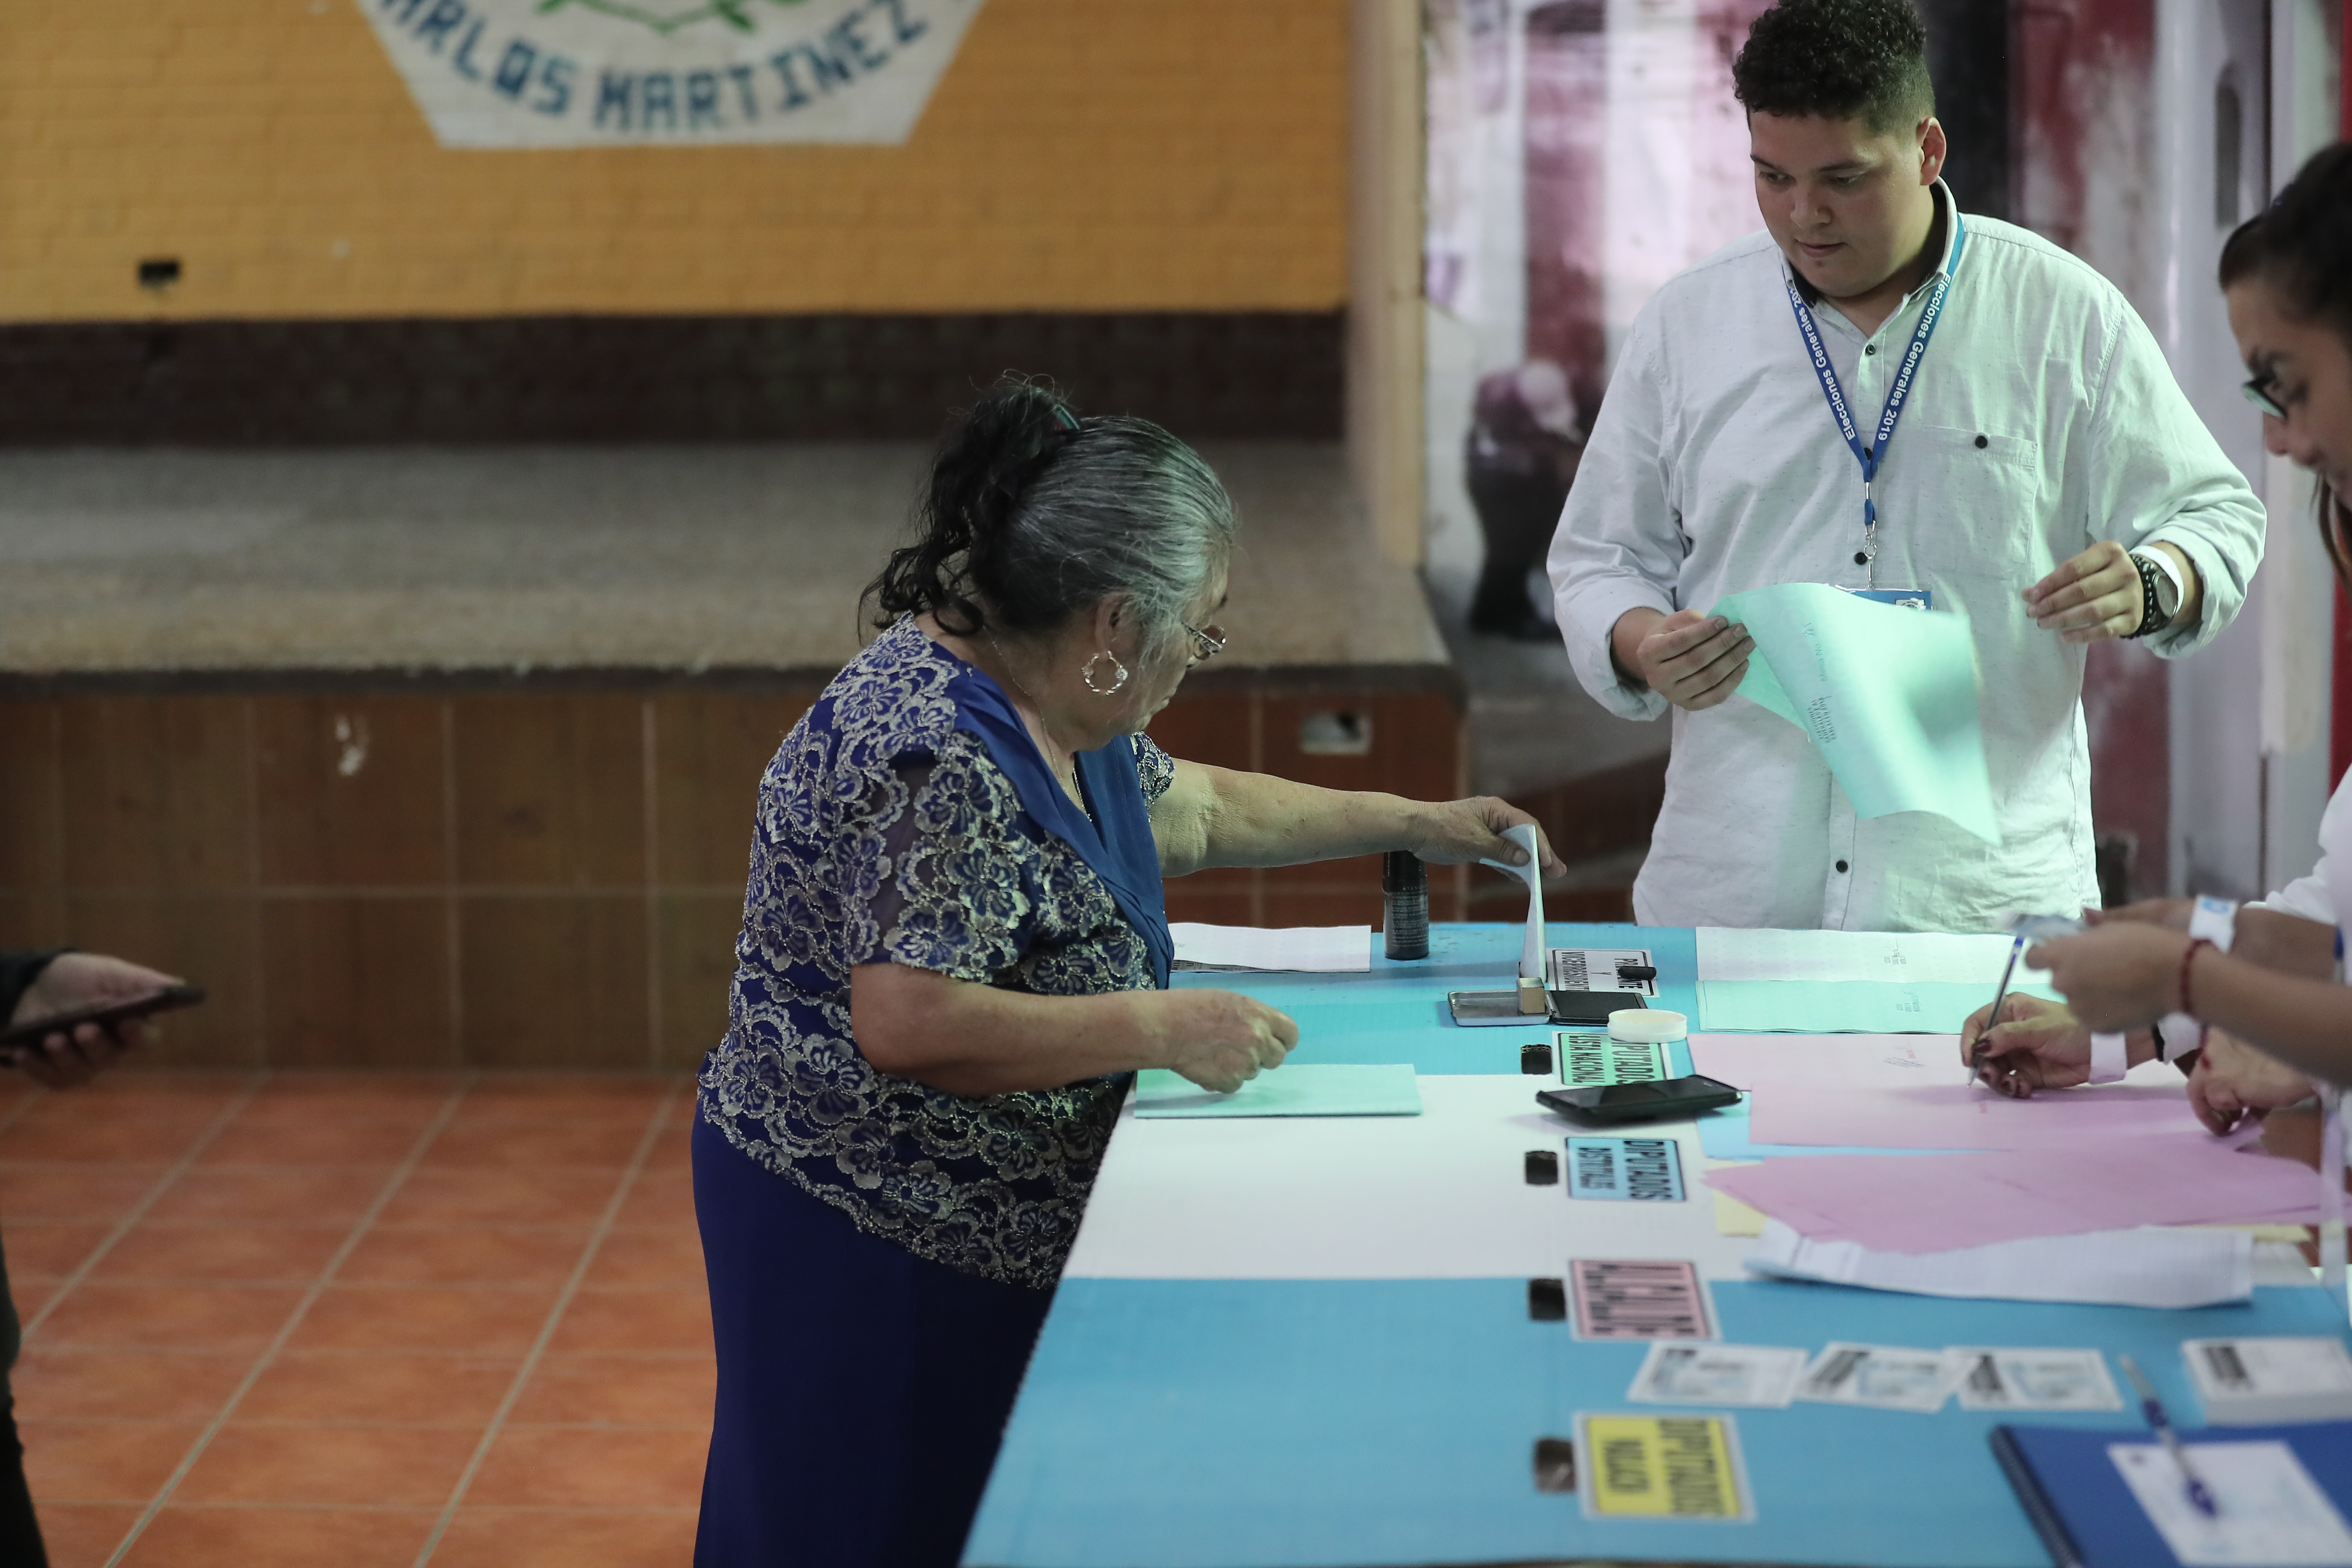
[[1760, 1376], [2268, 1512], [1639, 1300], [1999, 1378], [1589, 1058], [1879, 1377], [1661, 1466], [1625, 1170]]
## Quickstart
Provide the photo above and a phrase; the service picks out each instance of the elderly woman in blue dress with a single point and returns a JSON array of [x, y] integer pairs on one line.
[[954, 953]]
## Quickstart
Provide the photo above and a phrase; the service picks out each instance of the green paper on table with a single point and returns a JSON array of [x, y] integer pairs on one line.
[[1302, 1089], [1850, 1007], [1888, 694]]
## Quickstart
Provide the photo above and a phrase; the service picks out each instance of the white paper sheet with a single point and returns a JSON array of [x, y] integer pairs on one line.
[[2268, 1512], [2003, 1377], [1726, 954], [1532, 949], [1311, 949], [2150, 1266], [1682, 1372]]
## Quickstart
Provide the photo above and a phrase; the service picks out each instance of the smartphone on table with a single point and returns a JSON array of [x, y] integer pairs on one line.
[[107, 1016]]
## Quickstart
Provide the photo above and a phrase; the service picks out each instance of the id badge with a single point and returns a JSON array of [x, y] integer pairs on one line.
[[1901, 599]]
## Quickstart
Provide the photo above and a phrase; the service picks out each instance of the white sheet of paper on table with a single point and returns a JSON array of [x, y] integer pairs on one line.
[[1727, 953], [2268, 1512], [2153, 1266], [1307, 950], [1685, 1372], [1533, 950], [1880, 1377], [2005, 1377]]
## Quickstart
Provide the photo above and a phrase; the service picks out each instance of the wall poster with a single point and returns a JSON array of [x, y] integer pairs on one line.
[[601, 73]]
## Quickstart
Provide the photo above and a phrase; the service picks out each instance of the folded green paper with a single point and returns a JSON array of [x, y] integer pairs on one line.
[[1888, 696]]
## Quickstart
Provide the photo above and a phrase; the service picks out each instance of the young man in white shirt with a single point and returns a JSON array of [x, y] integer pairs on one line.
[[2045, 476]]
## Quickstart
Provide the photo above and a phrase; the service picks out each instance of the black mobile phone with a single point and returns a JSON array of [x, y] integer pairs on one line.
[[106, 1015], [1606, 1103], [1591, 1008]]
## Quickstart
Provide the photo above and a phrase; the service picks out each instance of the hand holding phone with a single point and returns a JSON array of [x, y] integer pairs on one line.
[[82, 1011]]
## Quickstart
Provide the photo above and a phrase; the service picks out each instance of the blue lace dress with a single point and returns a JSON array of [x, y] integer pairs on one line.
[[906, 819]]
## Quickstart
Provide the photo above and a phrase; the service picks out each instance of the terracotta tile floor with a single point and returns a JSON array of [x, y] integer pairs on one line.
[[358, 1319]]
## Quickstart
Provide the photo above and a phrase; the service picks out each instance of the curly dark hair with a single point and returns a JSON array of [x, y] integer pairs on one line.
[[1840, 59]]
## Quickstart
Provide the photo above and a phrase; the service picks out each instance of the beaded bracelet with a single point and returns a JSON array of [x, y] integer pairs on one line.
[[2189, 957]]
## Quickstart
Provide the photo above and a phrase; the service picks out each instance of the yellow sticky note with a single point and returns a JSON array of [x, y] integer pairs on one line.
[[1661, 1466], [1733, 1218]]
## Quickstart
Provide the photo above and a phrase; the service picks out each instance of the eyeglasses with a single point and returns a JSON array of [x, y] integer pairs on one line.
[[1208, 642], [2260, 394]]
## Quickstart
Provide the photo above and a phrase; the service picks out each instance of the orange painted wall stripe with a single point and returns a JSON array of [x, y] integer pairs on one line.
[[1078, 155]]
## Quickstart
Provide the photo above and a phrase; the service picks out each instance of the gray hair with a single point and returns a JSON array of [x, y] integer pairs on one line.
[[1038, 515]]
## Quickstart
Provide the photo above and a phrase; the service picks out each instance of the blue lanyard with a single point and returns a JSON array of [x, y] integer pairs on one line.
[[1871, 456]]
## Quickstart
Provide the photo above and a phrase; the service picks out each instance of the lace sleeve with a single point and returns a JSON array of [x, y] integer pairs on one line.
[[957, 895], [1153, 767]]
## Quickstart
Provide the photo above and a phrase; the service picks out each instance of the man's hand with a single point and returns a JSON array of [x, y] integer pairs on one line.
[[2232, 1079], [1692, 660], [1465, 832], [2094, 597], [2097, 594], [69, 982]]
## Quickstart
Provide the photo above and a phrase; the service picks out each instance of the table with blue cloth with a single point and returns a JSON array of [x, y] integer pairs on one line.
[[1294, 1343]]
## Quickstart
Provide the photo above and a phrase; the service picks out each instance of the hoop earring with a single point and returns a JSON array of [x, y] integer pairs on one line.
[[1119, 679]]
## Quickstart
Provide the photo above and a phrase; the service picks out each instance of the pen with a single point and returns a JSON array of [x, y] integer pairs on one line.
[[1975, 1052], [2152, 1409]]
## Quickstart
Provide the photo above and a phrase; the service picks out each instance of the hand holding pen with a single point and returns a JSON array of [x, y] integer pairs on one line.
[[1992, 1015], [2152, 1409]]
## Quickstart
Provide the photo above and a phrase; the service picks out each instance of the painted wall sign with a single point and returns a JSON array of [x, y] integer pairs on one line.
[[591, 73]]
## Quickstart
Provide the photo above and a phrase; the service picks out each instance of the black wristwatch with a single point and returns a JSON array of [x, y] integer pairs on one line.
[[2152, 616]]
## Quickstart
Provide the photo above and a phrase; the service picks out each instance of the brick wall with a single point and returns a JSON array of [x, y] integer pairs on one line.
[[1078, 156]]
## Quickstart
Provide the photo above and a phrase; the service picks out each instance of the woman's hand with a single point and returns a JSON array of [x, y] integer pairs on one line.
[[1463, 832], [2037, 1044], [2232, 1079], [2172, 914], [1222, 1039], [2122, 975]]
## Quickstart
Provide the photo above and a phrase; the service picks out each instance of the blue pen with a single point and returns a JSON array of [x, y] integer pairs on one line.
[[2152, 1408]]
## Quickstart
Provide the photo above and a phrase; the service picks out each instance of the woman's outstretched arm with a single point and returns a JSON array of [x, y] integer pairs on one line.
[[1211, 817]]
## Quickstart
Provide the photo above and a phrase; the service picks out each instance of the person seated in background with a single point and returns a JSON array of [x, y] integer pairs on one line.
[[34, 986], [2264, 979], [1526, 438], [954, 953]]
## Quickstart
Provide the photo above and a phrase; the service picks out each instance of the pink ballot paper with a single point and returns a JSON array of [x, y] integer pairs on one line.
[[1906, 1091], [1933, 1203]]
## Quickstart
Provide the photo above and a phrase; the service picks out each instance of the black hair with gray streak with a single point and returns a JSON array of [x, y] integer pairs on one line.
[[1033, 515]]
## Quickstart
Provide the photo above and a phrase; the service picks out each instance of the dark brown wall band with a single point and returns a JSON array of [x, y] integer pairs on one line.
[[651, 378]]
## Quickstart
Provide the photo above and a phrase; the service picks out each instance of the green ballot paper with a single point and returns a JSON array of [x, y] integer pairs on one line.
[[1888, 694]]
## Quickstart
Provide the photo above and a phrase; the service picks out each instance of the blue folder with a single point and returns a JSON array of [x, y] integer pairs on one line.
[[2087, 1517]]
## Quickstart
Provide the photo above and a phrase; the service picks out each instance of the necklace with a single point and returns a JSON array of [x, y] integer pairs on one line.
[[1077, 791]]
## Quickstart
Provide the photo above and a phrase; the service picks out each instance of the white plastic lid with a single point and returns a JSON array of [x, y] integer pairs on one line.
[[1645, 1025]]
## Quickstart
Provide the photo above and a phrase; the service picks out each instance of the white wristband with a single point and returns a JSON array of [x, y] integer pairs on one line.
[[2110, 1059], [2216, 921]]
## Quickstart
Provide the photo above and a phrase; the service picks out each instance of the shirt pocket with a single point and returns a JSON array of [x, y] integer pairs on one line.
[[1983, 514]]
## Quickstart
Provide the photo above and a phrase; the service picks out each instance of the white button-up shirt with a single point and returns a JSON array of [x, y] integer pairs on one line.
[[2043, 418]]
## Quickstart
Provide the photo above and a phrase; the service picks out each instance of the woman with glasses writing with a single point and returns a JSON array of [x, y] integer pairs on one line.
[[953, 952]]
